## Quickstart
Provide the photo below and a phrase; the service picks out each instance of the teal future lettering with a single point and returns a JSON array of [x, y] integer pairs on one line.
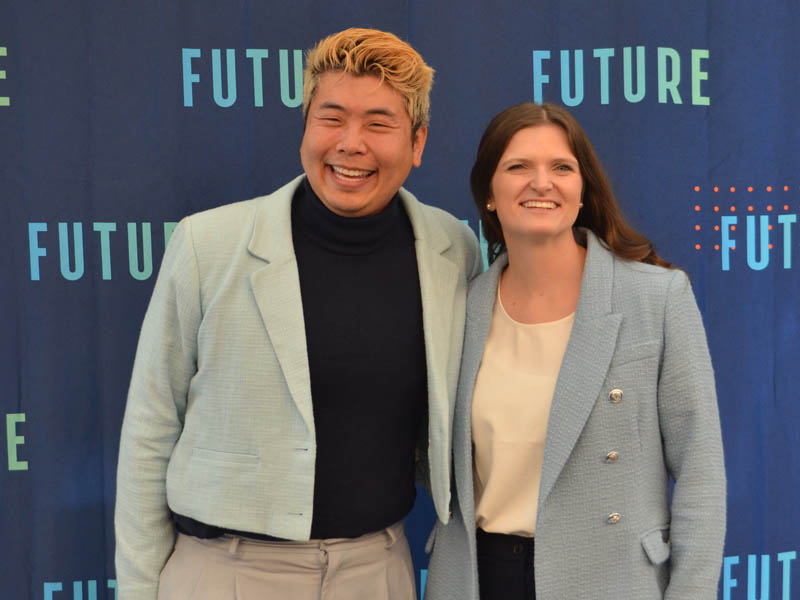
[[786, 221], [627, 67], [604, 54], [758, 247], [286, 98], [4, 100], [73, 247], [786, 558], [225, 75], [14, 441], [189, 78], [105, 230], [576, 98], [539, 76], [146, 269], [630, 79], [669, 83], [257, 55], [758, 590], [752, 576], [728, 581], [698, 76], [63, 250], [50, 587], [757, 264], [216, 72], [36, 251], [727, 243], [77, 590]]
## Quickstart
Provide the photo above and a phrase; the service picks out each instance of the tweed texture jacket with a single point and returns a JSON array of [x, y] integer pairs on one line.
[[636, 379], [219, 421]]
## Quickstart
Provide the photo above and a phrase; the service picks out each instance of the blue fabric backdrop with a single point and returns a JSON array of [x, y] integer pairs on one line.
[[118, 118]]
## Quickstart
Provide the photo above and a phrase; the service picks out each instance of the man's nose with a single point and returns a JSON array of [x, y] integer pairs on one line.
[[351, 140]]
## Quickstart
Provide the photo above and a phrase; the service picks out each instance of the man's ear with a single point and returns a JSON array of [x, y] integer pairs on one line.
[[418, 145]]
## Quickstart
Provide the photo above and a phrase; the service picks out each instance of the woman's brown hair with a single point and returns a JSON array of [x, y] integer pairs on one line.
[[600, 212]]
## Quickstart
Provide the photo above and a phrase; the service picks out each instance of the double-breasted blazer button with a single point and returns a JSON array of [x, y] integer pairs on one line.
[[612, 456], [615, 395], [614, 518]]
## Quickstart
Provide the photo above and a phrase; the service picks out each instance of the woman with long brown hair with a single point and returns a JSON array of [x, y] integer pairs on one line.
[[586, 391]]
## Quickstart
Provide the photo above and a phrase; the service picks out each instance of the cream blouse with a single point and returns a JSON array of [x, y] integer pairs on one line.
[[510, 409]]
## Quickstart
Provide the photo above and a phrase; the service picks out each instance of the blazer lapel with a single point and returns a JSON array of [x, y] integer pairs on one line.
[[586, 361], [438, 281], [480, 305], [276, 288]]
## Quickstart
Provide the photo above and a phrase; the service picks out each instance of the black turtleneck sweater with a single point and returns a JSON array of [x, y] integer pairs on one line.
[[362, 307], [363, 317]]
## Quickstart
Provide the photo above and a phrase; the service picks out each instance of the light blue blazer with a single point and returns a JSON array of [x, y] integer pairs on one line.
[[219, 423], [636, 379]]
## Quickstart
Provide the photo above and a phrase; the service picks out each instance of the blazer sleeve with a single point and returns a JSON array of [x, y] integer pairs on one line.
[[689, 421], [166, 360]]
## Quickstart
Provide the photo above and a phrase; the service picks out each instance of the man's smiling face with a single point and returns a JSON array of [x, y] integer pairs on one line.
[[357, 147]]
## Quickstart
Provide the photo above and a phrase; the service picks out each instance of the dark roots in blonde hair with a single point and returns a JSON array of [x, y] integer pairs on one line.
[[372, 52], [600, 213]]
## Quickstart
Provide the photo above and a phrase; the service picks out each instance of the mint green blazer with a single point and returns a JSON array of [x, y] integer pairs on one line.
[[219, 423]]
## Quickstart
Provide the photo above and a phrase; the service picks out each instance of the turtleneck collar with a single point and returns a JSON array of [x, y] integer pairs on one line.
[[343, 235]]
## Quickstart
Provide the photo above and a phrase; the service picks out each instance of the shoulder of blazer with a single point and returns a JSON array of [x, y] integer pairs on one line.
[[637, 284], [256, 223], [483, 289], [438, 228]]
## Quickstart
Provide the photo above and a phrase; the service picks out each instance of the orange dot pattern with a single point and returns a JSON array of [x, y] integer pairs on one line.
[[750, 208]]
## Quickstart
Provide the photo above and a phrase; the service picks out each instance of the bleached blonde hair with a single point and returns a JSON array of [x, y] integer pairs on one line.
[[373, 52]]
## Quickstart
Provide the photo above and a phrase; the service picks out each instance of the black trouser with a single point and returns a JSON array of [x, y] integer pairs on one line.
[[505, 567]]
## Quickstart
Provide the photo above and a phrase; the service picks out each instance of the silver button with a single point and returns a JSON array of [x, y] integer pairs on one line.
[[614, 518], [615, 395], [612, 456]]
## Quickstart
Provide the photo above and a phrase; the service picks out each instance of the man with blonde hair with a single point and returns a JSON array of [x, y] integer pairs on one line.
[[299, 351]]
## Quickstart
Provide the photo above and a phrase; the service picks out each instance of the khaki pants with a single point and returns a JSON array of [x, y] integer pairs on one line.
[[376, 566]]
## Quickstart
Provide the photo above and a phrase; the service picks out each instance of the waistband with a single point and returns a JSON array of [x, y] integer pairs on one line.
[[238, 545], [504, 544]]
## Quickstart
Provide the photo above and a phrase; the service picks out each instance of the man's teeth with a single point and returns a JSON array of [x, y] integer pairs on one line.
[[538, 204], [351, 172]]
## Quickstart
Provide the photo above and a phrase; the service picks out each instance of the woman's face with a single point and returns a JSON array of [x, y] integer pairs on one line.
[[537, 186]]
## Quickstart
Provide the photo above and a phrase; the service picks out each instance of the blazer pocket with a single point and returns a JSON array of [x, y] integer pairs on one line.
[[632, 353], [656, 544], [206, 454]]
